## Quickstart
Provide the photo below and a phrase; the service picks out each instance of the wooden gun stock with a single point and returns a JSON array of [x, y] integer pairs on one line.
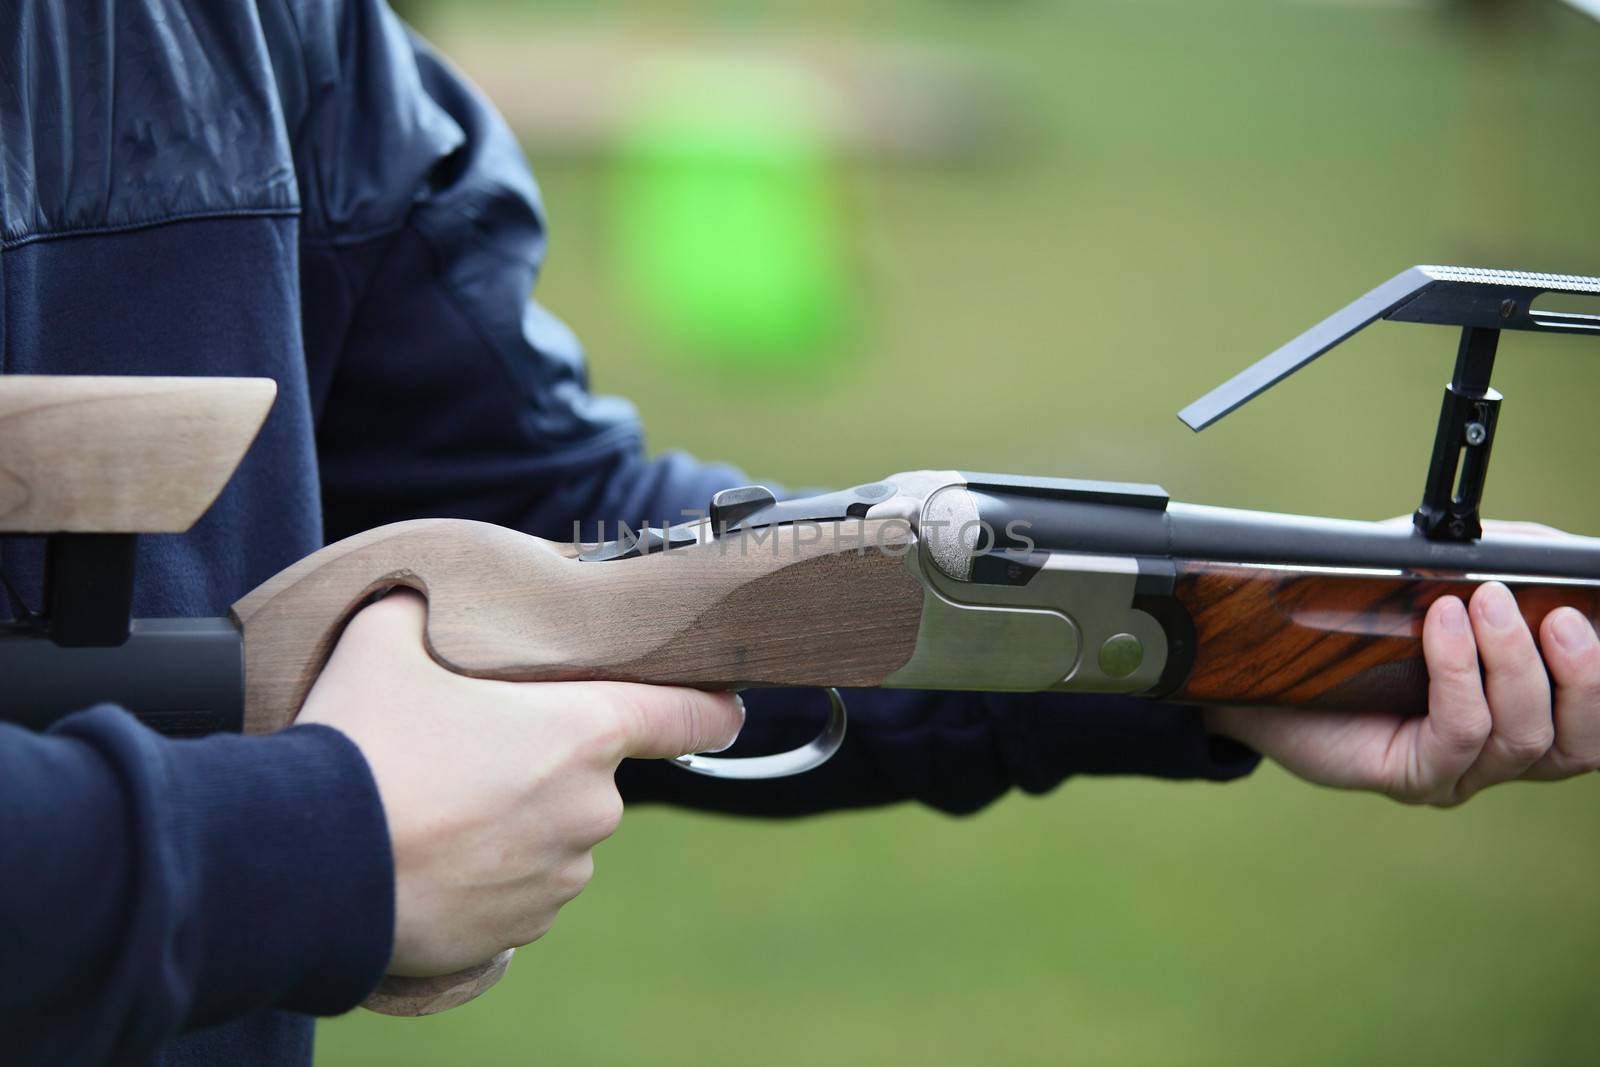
[[504, 605], [1319, 638]]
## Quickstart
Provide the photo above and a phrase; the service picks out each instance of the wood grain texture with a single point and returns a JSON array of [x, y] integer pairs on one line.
[[83, 454], [505, 605], [1351, 641]]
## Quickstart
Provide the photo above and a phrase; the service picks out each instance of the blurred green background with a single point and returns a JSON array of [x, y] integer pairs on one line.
[[1038, 230]]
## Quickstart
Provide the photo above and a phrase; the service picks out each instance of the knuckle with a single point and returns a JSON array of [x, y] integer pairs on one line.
[[575, 877], [1416, 795], [533, 927], [613, 722], [611, 735], [1467, 733], [1564, 763], [1411, 788], [604, 817], [1476, 733], [1527, 747], [1445, 794], [1456, 674], [1406, 795]]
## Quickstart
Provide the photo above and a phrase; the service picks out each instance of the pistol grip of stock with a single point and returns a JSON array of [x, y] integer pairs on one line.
[[290, 625], [502, 604]]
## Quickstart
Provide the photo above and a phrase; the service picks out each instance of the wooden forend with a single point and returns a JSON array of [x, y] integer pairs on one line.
[[1352, 641]]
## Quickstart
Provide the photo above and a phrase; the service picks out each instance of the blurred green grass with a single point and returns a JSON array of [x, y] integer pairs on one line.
[[1198, 183]]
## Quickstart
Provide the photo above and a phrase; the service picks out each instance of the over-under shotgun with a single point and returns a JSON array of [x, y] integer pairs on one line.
[[928, 579]]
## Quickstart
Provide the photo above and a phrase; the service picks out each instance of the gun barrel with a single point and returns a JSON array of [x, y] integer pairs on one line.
[[1194, 531]]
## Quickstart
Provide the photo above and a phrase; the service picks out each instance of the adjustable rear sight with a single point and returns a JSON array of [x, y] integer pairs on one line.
[[1481, 303]]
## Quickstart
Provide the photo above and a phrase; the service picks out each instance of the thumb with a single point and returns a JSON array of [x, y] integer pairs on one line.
[[662, 722], [387, 631]]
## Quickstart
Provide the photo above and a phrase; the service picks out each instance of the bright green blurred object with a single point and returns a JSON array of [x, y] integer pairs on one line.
[[728, 237]]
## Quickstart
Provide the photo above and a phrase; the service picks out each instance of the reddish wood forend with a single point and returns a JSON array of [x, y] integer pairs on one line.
[[1325, 639]]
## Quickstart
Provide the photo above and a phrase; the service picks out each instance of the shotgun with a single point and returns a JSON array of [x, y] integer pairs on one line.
[[926, 579]]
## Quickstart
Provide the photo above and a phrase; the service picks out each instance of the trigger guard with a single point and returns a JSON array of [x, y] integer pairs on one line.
[[809, 756]]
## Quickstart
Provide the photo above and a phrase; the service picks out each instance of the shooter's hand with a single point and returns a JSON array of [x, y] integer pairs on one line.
[[495, 792], [1479, 731]]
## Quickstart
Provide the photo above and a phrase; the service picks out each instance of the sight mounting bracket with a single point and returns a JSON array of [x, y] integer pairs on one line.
[[1481, 303]]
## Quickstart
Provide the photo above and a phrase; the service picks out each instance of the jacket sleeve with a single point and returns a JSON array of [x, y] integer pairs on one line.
[[456, 395], [153, 886]]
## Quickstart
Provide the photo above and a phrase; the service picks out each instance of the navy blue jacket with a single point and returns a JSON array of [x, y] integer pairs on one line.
[[305, 191]]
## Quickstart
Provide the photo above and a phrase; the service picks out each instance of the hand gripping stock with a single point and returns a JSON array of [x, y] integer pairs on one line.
[[720, 615]]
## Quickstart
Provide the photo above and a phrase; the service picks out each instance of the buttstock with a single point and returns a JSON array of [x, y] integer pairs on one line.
[[504, 605], [1331, 639]]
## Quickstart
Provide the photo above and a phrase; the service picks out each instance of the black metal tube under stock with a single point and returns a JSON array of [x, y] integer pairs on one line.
[[181, 677]]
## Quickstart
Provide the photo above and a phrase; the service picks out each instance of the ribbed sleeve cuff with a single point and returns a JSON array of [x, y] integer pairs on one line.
[[264, 876], [293, 876]]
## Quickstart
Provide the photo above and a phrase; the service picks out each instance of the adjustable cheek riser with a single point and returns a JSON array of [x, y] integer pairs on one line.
[[86, 465]]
